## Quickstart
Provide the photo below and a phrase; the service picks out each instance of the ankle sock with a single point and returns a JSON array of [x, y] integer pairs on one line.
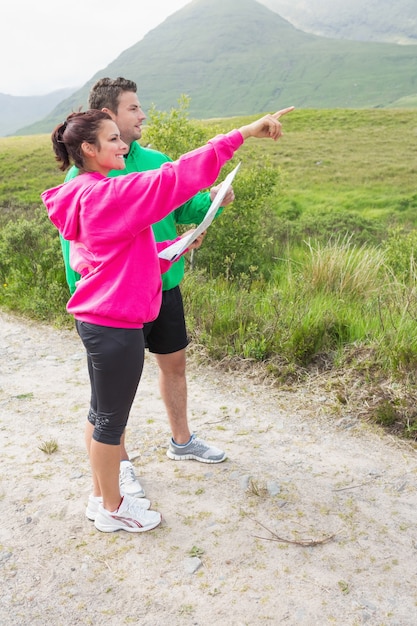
[[182, 445]]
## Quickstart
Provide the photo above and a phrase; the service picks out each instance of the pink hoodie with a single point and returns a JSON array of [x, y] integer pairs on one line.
[[108, 222]]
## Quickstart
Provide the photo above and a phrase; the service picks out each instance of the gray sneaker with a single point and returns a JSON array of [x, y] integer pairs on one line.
[[197, 450]]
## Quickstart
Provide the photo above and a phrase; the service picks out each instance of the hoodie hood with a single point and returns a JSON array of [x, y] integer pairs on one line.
[[63, 203]]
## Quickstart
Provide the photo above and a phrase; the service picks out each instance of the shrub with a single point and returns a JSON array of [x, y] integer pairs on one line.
[[400, 249], [172, 132], [31, 268], [240, 244]]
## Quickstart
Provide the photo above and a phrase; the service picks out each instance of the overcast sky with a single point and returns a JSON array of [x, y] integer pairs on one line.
[[47, 45]]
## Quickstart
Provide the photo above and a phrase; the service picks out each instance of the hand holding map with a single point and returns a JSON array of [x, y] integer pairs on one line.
[[176, 249]]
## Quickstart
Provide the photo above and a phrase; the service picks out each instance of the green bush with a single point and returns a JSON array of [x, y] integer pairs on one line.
[[31, 268], [400, 250], [319, 332], [240, 244], [172, 132]]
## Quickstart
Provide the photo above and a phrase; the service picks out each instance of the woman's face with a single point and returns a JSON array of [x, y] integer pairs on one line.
[[108, 153]]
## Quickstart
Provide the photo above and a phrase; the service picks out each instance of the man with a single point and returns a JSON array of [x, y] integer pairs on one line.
[[166, 337]]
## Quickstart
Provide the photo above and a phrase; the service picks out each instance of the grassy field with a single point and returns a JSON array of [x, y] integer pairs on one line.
[[363, 160]]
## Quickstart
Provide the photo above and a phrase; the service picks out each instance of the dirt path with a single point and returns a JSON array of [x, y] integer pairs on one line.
[[312, 477]]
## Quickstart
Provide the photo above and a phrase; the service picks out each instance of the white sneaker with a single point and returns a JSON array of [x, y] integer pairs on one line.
[[130, 516], [95, 501], [129, 484]]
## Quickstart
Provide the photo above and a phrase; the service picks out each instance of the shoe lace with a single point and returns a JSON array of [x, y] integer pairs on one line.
[[198, 445], [134, 507], [127, 475]]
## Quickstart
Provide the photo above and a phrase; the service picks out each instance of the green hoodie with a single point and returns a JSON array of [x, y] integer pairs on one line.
[[141, 159]]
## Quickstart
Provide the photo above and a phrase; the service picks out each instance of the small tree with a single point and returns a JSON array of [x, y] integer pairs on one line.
[[172, 132], [240, 243]]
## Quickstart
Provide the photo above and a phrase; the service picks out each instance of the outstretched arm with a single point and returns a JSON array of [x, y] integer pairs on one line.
[[267, 126]]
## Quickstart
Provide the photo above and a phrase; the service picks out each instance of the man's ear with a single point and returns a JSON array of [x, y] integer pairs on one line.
[[109, 112]]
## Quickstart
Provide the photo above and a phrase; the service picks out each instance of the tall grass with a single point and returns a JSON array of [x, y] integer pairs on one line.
[[346, 270], [328, 298]]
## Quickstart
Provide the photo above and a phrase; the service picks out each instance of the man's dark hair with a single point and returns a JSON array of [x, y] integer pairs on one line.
[[105, 93]]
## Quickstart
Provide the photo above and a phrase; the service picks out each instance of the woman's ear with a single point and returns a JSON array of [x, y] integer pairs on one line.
[[88, 149]]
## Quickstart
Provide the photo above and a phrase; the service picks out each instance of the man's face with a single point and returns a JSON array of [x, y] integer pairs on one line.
[[129, 117]]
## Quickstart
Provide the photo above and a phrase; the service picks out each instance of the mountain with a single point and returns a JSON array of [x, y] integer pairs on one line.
[[373, 20], [16, 110], [236, 57]]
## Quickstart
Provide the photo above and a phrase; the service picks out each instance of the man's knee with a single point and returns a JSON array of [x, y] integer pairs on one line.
[[172, 364]]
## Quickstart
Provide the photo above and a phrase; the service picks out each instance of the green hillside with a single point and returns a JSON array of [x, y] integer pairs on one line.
[[236, 57], [374, 20], [18, 110]]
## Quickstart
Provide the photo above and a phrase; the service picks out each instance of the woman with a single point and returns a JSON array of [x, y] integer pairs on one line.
[[108, 222]]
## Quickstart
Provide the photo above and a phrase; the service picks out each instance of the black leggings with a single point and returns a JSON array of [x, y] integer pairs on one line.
[[115, 359]]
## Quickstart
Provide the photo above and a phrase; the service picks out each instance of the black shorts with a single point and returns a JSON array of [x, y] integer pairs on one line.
[[168, 333]]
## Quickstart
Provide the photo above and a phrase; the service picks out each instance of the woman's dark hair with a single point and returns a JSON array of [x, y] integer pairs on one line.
[[105, 93], [68, 136]]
